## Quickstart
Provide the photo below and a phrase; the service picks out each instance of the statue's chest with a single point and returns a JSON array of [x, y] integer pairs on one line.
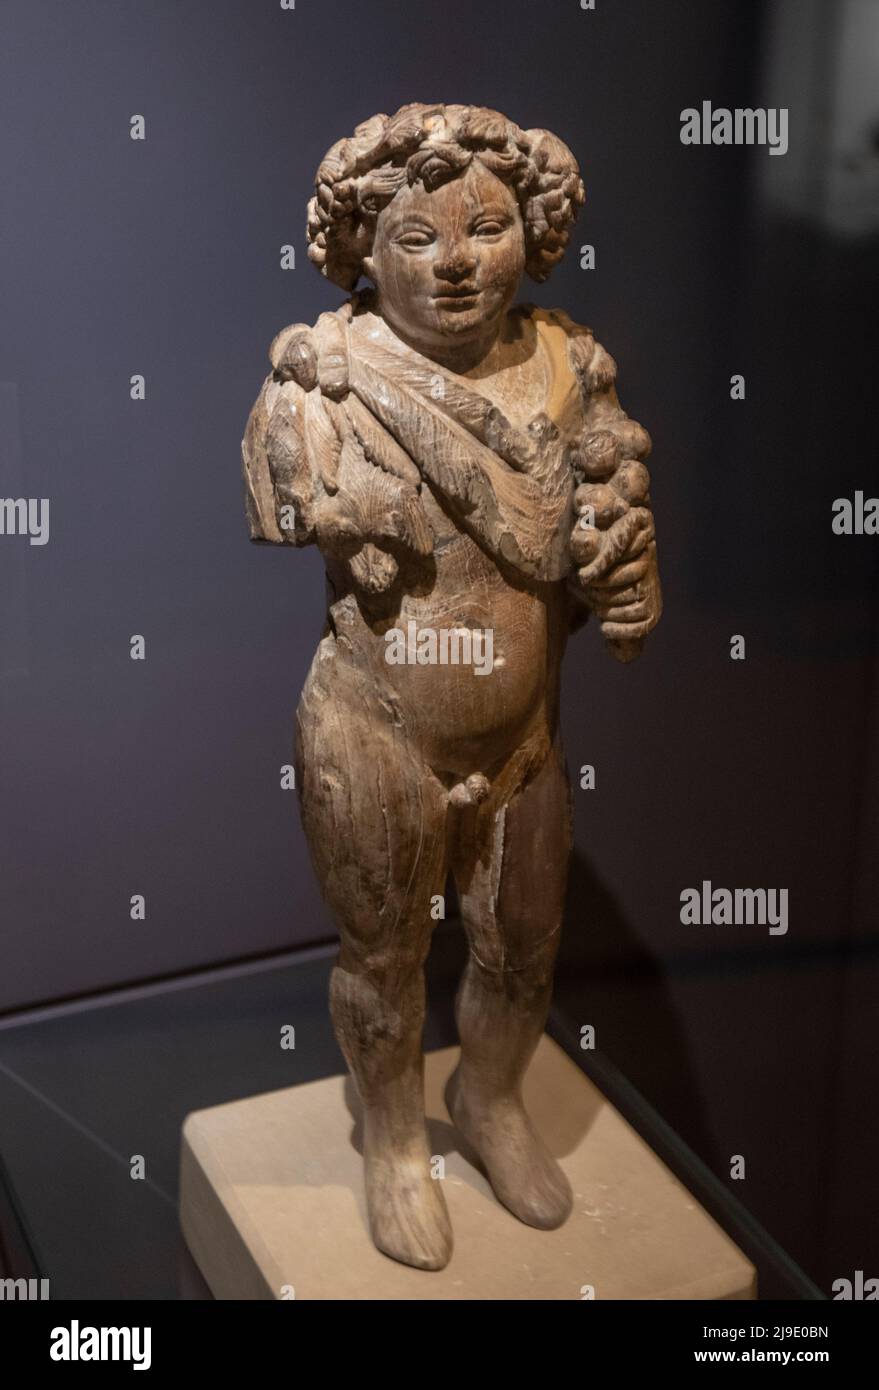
[[519, 389]]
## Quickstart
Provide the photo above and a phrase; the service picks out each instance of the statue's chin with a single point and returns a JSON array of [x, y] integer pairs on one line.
[[462, 325], [463, 321], [444, 329]]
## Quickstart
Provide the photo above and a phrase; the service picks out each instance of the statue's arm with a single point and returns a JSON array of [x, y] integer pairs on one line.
[[278, 479], [613, 545]]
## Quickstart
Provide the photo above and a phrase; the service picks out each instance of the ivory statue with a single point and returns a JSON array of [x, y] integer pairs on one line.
[[466, 470]]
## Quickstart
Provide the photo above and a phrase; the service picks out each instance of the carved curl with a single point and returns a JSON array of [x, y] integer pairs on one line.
[[360, 176]]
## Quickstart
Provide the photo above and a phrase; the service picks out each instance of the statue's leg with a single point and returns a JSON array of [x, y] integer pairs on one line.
[[511, 876], [374, 818]]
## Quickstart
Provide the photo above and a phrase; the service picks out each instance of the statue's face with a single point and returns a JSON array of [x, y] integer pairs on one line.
[[447, 263]]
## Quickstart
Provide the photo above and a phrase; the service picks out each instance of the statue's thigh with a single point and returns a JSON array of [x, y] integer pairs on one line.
[[374, 818], [513, 897]]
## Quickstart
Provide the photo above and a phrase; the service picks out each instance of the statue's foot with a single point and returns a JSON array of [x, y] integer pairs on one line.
[[408, 1216], [520, 1168]]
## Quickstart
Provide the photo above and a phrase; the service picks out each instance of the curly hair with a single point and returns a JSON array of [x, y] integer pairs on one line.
[[359, 176]]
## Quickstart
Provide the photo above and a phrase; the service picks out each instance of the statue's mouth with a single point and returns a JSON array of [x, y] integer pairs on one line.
[[460, 295]]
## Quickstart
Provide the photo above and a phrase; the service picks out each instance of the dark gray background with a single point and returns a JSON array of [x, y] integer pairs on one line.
[[162, 777]]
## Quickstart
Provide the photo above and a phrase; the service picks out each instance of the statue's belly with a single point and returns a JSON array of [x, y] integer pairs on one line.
[[468, 662], [469, 706]]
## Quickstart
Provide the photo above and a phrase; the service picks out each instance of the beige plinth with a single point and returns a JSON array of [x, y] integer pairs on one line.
[[272, 1201]]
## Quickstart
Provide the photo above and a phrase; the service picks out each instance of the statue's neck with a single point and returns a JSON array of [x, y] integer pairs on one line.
[[460, 358]]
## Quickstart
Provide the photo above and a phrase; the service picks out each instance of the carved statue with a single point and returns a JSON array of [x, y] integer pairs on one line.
[[466, 470]]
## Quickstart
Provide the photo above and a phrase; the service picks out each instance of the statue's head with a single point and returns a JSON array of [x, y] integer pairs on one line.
[[443, 208]]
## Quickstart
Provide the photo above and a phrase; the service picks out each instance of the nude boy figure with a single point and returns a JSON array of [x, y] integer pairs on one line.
[[465, 467]]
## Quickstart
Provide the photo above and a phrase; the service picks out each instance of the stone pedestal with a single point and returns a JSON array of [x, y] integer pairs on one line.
[[272, 1204]]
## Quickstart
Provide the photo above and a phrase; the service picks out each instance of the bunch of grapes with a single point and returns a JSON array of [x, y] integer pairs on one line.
[[612, 544]]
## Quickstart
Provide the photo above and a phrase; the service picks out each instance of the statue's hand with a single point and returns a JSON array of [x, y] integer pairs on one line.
[[614, 548]]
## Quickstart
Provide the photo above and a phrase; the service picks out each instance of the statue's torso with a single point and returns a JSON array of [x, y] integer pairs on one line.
[[463, 720]]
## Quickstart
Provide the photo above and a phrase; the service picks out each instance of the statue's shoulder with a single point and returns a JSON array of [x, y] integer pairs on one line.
[[575, 344], [547, 320], [311, 354]]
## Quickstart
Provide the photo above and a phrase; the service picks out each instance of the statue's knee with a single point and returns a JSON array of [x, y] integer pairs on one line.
[[371, 1015], [514, 967]]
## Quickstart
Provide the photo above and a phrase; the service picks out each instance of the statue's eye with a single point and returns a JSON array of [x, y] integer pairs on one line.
[[414, 241], [490, 229]]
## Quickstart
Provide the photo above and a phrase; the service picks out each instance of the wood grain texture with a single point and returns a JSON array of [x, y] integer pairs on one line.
[[476, 490]]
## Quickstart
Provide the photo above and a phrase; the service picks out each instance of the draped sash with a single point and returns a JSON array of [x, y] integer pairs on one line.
[[347, 473]]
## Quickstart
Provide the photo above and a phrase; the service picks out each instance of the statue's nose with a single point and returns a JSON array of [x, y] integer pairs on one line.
[[455, 264]]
